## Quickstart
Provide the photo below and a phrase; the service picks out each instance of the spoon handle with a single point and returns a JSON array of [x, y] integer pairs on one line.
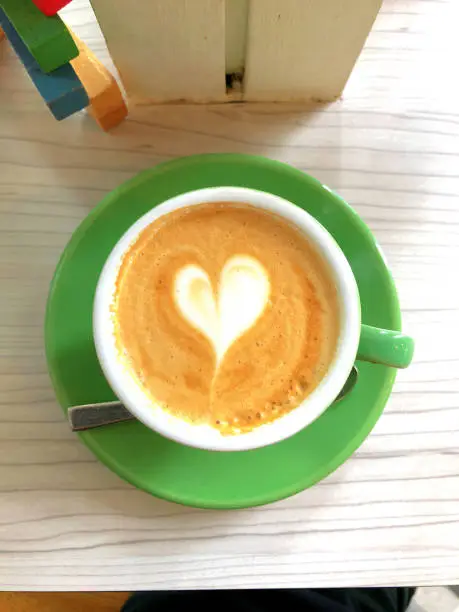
[[89, 416]]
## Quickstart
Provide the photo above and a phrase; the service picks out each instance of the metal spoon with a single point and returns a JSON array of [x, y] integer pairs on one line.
[[348, 385], [89, 416]]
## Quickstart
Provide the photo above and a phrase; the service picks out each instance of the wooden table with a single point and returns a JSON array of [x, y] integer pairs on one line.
[[390, 515]]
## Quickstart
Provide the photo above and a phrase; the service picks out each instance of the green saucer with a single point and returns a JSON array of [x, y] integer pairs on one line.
[[162, 467]]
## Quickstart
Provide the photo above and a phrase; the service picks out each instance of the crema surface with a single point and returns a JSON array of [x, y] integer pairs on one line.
[[225, 315]]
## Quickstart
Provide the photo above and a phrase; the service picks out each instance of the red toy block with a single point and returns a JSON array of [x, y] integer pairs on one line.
[[50, 7]]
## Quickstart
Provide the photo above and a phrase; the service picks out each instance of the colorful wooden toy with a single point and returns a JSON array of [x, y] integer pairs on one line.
[[2, 34], [61, 89], [47, 38], [106, 101], [50, 7]]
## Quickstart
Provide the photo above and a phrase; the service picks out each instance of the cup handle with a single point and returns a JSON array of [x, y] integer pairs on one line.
[[391, 348]]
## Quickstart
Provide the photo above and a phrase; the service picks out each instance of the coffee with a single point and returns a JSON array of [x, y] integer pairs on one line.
[[225, 314]]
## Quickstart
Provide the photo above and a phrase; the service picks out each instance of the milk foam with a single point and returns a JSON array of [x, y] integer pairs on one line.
[[241, 297]]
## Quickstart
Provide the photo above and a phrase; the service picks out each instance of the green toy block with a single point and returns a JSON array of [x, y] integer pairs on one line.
[[47, 38]]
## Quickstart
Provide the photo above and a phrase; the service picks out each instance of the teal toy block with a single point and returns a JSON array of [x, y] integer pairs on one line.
[[47, 38], [61, 89]]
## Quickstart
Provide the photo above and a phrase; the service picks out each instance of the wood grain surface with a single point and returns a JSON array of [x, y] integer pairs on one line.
[[390, 515]]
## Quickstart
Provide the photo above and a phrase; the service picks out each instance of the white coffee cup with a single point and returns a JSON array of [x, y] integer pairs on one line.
[[152, 415]]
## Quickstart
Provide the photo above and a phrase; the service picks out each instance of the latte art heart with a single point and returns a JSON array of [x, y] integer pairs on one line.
[[225, 314]]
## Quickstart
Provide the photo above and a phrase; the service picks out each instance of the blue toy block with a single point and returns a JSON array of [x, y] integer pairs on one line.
[[61, 89]]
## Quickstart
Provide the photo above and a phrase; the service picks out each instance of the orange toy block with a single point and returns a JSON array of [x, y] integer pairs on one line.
[[2, 34], [107, 105]]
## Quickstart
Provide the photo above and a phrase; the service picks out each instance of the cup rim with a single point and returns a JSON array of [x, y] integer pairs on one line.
[[140, 404]]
